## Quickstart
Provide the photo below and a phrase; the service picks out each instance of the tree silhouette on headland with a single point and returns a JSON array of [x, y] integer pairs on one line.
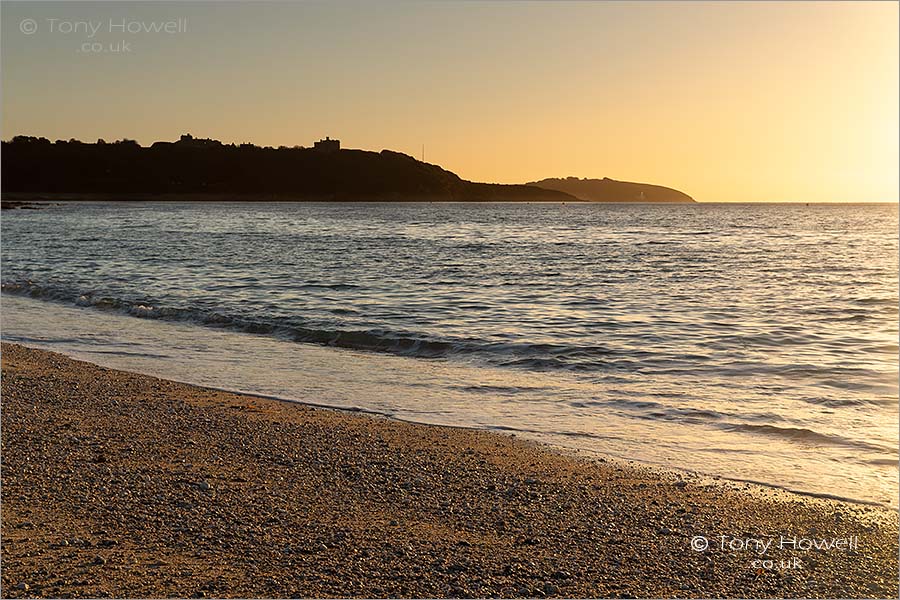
[[208, 168]]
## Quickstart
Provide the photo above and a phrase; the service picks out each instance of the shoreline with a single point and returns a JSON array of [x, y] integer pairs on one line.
[[128, 485], [577, 454], [586, 453]]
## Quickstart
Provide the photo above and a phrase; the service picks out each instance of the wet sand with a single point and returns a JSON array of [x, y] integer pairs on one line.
[[117, 484]]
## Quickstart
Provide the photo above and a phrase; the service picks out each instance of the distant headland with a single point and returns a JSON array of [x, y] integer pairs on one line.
[[610, 190], [205, 169]]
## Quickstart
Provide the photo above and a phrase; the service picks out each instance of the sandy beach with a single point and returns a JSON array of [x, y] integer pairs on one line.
[[117, 484]]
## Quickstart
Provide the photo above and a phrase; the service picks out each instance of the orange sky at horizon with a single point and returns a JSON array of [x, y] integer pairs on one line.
[[724, 101]]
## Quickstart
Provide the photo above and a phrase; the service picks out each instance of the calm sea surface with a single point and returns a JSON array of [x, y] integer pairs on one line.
[[756, 342]]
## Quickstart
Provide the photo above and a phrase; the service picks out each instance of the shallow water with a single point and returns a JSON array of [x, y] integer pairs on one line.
[[749, 341]]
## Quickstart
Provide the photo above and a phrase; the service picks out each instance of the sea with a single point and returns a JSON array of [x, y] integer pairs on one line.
[[750, 342]]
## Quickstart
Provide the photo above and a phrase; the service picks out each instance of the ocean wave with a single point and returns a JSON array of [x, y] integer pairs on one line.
[[534, 356], [803, 435]]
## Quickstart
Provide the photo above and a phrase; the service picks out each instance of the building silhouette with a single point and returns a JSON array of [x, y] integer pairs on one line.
[[328, 145], [189, 141]]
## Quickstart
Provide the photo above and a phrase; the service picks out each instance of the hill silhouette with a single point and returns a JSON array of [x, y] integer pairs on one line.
[[207, 169], [610, 190]]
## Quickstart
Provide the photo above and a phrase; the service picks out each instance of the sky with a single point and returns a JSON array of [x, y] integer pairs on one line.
[[726, 101]]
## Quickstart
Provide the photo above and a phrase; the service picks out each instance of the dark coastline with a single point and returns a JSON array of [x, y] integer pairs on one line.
[[202, 170], [64, 197]]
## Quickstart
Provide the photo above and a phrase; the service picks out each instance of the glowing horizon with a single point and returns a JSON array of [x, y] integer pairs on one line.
[[725, 102]]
